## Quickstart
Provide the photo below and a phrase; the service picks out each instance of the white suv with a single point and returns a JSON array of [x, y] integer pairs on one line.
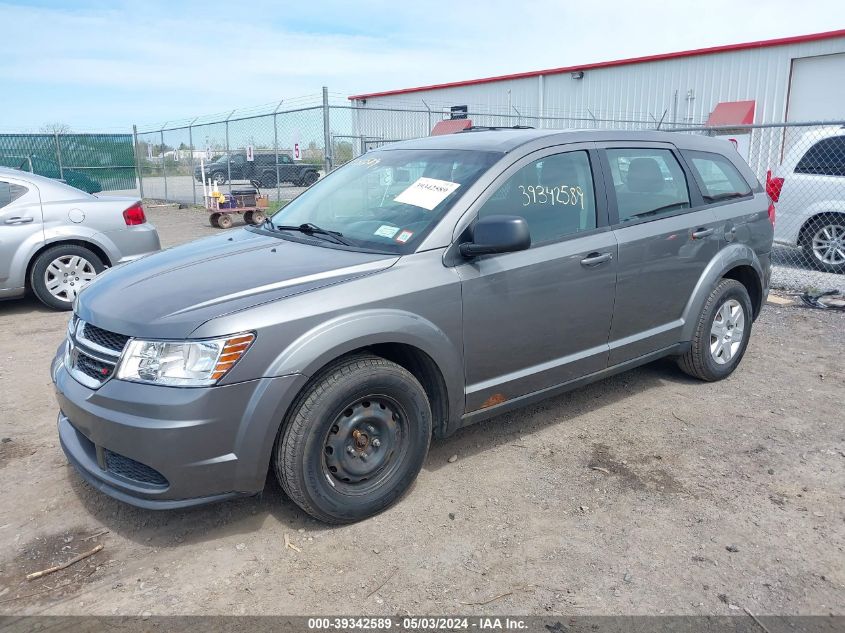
[[809, 189]]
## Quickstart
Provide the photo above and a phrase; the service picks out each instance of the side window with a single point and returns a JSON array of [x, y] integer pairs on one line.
[[554, 194], [9, 192], [238, 159], [648, 183], [718, 177], [284, 158], [827, 158]]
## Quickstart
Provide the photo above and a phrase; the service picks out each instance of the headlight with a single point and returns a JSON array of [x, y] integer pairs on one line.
[[182, 363]]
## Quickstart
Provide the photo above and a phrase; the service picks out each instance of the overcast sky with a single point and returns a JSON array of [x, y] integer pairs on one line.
[[105, 65]]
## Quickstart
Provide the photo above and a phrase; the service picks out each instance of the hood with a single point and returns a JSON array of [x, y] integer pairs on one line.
[[171, 293]]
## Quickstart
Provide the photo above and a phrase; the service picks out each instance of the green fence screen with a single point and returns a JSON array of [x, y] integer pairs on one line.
[[91, 162]]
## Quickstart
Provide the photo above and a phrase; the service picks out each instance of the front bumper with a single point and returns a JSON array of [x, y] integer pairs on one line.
[[164, 447]]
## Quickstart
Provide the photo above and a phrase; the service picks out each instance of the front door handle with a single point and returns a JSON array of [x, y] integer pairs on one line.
[[18, 220], [593, 259], [701, 233]]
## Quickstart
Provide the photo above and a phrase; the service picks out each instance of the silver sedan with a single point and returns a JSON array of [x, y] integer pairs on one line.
[[55, 238]]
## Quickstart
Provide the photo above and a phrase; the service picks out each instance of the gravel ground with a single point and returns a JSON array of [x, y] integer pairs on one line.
[[645, 493]]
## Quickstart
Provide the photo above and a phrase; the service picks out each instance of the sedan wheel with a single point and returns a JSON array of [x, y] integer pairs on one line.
[[60, 273]]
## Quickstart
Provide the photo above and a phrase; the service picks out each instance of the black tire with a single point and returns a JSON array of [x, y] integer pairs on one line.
[[310, 178], [218, 178], [700, 361], [829, 227], [317, 456], [69, 286], [268, 179], [213, 219], [224, 221]]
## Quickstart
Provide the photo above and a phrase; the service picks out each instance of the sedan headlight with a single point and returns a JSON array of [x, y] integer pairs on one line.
[[182, 363]]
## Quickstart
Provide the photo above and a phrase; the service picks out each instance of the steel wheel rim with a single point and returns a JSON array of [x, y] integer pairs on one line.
[[365, 444], [67, 275], [829, 244], [726, 331]]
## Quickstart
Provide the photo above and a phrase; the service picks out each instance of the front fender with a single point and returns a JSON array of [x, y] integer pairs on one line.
[[733, 255], [322, 344]]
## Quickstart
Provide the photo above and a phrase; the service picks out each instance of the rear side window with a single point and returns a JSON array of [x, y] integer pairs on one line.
[[717, 176], [825, 158], [9, 192], [554, 194], [648, 183]]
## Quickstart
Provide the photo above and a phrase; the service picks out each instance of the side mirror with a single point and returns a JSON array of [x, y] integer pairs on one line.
[[497, 234]]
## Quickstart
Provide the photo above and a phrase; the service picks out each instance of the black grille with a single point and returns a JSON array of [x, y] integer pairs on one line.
[[130, 469], [104, 338], [93, 368]]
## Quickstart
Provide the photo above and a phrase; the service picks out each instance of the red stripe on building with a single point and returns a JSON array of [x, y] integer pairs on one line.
[[783, 41]]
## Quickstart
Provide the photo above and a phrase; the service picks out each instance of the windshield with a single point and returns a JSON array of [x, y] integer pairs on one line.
[[386, 200]]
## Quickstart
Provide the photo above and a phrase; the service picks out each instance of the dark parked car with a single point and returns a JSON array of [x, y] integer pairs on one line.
[[420, 288], [262, 168]]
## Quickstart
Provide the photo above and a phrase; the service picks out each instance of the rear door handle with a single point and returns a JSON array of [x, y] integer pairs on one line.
[[593, 259], [701, 233], [18, 220]]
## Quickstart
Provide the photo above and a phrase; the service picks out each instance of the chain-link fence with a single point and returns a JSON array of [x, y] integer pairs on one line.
[[91, 162], [802, 165]]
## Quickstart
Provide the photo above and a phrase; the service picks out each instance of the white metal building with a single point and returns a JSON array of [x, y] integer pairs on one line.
[[789, 79]]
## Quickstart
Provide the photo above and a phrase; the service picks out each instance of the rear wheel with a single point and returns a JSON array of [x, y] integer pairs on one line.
[[355, 440], [61, 272], [824, 242], [310, 178], [224, 221], [722, 333]]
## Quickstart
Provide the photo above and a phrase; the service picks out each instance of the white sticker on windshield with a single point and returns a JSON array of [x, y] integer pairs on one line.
[[385, 230], [427, 192]]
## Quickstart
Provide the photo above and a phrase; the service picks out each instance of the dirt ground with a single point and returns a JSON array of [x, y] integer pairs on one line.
[[646, 493]]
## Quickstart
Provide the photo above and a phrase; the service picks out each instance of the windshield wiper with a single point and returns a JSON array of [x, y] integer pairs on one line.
[[312, 229]]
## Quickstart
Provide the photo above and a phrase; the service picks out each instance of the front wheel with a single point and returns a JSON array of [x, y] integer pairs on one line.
[[824, 243], [61, 272], [218, 178], [355, 439], [721, 334]]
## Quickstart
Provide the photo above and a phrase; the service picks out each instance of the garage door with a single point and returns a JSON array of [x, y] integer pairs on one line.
[[817, 89]]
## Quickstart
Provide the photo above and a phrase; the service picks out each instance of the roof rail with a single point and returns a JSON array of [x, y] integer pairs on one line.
[[487, 128]]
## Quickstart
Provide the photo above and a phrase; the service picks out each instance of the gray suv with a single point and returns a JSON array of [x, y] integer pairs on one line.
[[422, 287]]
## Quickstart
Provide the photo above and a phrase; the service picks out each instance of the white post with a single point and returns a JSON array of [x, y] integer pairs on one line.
[[202, 173]]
